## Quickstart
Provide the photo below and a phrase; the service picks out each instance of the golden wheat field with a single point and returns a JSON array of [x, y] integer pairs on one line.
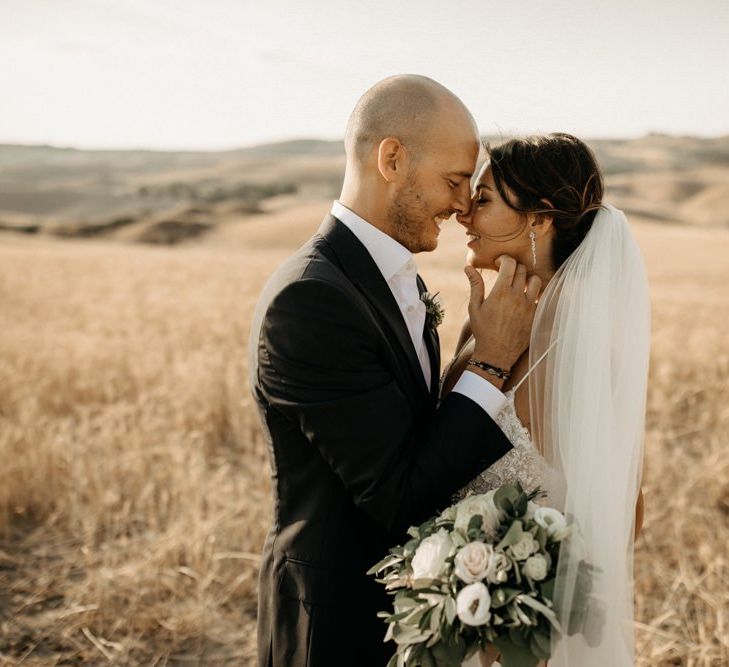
[[134, 492]]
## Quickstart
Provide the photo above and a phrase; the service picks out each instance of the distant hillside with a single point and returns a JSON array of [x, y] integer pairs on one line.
[[72, 185], [67, 191], [295, 147]]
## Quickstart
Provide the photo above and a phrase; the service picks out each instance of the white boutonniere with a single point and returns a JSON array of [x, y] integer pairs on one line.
[[434, 312]]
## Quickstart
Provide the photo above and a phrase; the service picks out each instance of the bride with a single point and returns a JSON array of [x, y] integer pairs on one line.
[[576, 398]]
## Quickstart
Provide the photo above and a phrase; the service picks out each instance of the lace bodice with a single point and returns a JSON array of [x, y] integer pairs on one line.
[[522, 463]]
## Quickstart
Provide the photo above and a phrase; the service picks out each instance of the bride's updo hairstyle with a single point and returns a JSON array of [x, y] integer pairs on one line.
[[554, 174]]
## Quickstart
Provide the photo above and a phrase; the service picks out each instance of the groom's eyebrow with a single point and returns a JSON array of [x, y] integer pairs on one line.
[[462, 174]]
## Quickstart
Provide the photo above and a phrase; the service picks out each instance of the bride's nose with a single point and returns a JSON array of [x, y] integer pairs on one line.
[[465, 218]]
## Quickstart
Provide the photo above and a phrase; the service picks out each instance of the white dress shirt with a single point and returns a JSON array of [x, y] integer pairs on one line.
[[398, 268]]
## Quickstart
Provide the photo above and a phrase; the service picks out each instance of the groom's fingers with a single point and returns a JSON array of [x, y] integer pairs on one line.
[[519, 283], [477, 287], [507, 269], [534, 284]]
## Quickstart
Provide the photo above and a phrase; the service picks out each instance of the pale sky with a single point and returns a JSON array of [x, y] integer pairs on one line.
[[215, 74]]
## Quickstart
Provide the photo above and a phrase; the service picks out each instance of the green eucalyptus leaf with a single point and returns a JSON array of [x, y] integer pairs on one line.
[[423, 619], [450, 652], [511, 610], [450, 610], [540, 644], [387, 561], [520, 505], [514, 655], [446, 655], [536, 605], [503, 596], [426, 659], [547, 588], [513, 535], [435, 618], [516, 569], [458, 539], [508, 498], [541, 535]]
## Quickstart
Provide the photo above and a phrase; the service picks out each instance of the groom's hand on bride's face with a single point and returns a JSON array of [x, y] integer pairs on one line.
[[502, 323]]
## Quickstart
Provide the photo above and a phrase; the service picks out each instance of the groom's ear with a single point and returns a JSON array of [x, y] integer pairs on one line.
[[391, 159]]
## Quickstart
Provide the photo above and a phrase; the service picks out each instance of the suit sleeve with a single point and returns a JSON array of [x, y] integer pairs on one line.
[[320, 365]]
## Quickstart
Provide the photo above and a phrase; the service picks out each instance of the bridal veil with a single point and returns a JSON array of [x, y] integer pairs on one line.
[[587, 403]]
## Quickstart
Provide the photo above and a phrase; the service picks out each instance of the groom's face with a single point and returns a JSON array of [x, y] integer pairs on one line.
[[436, 187]]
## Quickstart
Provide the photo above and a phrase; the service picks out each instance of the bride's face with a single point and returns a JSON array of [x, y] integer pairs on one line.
[[493, 228]]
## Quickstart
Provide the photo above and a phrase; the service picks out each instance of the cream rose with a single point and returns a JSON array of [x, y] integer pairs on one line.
[[473, 561], [535, 567], [430, 557], [525, 547], [552, 521], [481, 504], [473, 604]]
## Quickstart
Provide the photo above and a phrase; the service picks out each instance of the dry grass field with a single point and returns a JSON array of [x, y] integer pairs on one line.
[[134, 492]]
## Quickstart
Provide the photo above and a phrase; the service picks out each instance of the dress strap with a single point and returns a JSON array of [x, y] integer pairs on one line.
[[536, 363]]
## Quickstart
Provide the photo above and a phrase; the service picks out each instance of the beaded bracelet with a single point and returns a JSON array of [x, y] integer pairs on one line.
[[491, 370]]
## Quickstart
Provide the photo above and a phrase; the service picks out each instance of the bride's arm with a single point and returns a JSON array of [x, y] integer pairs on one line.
[[457, 364], [456, 367], [464, 336]]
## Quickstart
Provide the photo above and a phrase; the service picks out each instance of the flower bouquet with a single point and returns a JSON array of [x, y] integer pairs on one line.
[[481, 573]]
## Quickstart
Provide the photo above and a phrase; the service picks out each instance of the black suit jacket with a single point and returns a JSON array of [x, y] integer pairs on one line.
[[359, 448]]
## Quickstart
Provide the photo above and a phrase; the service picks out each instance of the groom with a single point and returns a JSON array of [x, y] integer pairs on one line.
[[344, 368]]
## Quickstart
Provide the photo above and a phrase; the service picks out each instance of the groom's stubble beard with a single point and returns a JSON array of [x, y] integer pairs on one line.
[[410, 217]]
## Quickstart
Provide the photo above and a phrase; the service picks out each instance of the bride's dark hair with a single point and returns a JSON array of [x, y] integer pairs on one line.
[[556, 175]]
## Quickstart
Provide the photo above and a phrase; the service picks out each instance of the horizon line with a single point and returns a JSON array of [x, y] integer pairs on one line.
[[323, 140]]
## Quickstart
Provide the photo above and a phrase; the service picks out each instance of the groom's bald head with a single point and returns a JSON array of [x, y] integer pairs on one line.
[[408, 107], [411, 149]]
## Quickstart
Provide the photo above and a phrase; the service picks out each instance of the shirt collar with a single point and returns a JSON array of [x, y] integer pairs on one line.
[[390, 256]]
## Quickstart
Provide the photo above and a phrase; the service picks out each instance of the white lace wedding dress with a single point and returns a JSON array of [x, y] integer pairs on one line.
[[523, 463]]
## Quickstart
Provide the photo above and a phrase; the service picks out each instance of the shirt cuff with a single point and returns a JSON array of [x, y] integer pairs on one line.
[[481, 392]]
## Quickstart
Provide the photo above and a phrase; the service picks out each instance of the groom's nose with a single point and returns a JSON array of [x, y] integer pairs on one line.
[[462, 203], [465, 218]]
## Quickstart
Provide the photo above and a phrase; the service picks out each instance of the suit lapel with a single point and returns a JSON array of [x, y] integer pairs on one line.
[[432, 342], [361, 269]]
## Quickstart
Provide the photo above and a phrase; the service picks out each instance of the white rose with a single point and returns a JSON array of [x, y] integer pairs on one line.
[[500, 566], [525, 547], [553, 521], [531, 509], [535, 567], [473, 604], [430, 556], [473, 561], [481, 504]]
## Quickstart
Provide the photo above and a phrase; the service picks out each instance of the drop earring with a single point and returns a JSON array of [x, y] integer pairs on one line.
[[533, 237]]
